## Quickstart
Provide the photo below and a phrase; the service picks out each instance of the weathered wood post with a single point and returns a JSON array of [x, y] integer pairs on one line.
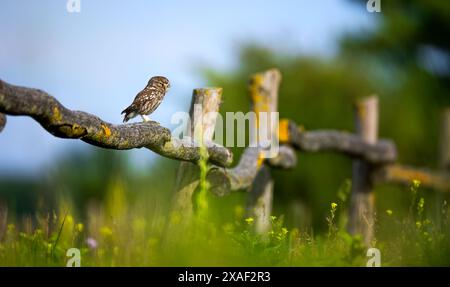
[[264, 99], [444, 157], [203, 114], [445, 141], [361, 218]]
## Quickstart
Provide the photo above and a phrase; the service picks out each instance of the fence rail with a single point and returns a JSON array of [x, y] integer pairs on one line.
[[374, 159]]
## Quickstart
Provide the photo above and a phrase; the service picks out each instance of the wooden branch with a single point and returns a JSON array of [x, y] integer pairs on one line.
[[2, 121], [362, 206], [286, 158], [203, 113], [64, 123], [402, 174], [223, 181], [383, 151]]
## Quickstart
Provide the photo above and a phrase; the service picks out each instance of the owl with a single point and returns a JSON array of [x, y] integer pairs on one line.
[[147, 100]]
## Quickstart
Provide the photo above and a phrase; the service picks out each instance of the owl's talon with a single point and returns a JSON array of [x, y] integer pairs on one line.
[[145, 118]]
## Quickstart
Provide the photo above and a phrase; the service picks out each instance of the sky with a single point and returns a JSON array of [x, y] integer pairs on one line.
[[98, 59]]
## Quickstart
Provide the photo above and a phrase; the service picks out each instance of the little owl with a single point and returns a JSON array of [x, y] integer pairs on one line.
[[147, 100]]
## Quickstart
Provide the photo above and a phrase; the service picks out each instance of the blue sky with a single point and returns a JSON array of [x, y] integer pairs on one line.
[[97, 60]]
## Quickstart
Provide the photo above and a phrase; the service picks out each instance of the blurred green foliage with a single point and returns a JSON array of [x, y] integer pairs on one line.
[[125, 233]]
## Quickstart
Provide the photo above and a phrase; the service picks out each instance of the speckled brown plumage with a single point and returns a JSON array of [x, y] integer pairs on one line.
[[147, 100]]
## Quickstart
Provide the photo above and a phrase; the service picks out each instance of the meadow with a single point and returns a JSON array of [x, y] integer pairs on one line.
[[124, 232]]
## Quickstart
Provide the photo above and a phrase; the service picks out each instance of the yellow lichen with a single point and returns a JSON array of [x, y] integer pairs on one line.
[[106, 130], [260, 160], [361, 110], [56, 114], [260, 101], [73, 131], [283, 131]]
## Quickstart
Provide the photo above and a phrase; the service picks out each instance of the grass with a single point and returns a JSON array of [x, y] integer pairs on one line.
[[123, 233]]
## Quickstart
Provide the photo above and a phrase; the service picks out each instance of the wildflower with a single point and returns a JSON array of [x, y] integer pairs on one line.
[[416, 183], [249, 220], [389, 212], [421, 204], [91, 243], [330, 219]]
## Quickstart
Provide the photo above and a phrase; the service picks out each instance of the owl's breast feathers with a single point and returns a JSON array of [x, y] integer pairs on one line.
[[145, 102], [148, 100]]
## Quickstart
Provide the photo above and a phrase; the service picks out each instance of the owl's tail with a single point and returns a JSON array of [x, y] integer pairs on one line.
[[129, 112]]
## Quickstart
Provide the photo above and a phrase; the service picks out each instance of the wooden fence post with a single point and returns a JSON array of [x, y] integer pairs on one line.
[[361, 218], [445, 141], [444, 159], [264, 98], [203, 114]]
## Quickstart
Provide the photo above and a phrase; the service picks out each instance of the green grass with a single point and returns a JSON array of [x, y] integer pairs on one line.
[[131, 234]]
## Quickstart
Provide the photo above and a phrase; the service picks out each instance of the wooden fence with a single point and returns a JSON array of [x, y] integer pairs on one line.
[[374, 159]]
